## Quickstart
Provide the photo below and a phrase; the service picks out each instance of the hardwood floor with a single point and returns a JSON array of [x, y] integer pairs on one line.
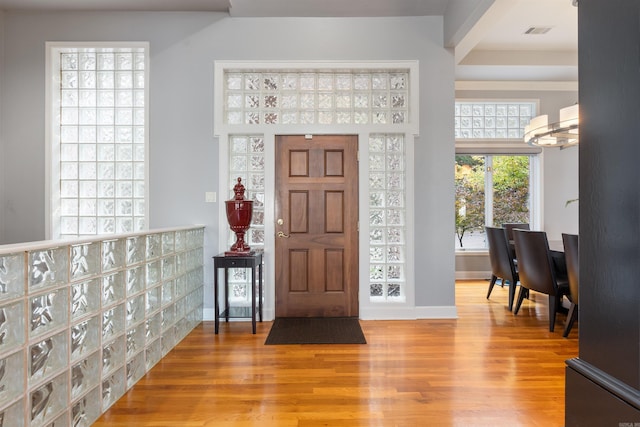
[[486, 368]]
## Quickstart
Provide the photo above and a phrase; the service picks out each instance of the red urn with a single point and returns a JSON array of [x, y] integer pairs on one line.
[[239, 211]]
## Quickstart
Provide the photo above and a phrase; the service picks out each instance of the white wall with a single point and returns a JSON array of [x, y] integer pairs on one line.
[[183, 153]]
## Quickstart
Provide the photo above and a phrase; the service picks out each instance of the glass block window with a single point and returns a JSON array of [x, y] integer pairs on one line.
[[99, 140], [492, 120], [387, 213], [246, 161], [326, 98]]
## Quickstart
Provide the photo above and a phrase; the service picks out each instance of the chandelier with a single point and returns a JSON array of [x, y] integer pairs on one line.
[[562, 133]]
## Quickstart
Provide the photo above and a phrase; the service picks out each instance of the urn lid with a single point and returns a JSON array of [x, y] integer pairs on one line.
[[238, 189]]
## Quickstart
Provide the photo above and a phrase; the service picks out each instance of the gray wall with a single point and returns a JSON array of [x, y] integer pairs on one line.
[[559, 171], [603, 383], [183, 154], [2, 156]]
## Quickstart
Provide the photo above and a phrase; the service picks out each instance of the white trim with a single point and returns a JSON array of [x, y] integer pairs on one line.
[[408, 313], [473, 275], [372, 313], [437, 312], [219, 127], [52, 66], [268, 132]]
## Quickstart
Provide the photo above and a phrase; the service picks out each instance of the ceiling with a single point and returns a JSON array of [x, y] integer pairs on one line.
[[491, 48]]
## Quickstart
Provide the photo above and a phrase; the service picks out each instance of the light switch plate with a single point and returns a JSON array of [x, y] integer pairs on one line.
[[210, 197]]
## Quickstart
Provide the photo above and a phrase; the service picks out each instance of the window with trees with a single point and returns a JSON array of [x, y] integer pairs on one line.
[[493, 169]]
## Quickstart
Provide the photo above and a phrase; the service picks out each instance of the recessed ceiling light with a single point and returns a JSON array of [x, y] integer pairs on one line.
[[538, 30]]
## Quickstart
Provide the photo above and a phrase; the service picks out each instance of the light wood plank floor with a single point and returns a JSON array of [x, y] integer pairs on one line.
[[486, 368]]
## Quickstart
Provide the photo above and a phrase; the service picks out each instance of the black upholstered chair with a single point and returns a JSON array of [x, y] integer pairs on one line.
[[509, 227], [502, 265], [537, 272], [571, 255]]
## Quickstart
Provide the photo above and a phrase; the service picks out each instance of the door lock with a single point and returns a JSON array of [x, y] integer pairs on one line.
[[280, 221]]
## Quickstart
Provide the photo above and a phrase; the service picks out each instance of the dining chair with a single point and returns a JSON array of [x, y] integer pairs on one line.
[[536, 270], [502, 265], [571, 255], [509, 227]]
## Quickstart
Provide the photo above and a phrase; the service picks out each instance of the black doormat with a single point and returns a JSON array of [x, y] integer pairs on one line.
[[316, 330]]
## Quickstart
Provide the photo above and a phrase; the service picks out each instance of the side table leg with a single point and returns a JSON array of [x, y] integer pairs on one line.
[[226, 294], [253, 298], [215, 298], [260, 291]]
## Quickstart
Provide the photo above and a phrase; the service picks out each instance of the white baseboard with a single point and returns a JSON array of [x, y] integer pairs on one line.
[[473, 275], [411, 313], [208, 315]]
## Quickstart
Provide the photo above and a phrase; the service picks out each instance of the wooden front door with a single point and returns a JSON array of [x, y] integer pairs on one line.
[[316, 226]]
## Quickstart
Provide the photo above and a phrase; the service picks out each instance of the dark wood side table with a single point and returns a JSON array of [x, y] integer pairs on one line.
[[252, 260]]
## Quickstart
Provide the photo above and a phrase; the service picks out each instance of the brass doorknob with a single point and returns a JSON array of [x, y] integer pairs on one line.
[[282, 234]]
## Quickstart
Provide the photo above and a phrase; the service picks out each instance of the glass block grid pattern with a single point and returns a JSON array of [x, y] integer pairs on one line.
[[101, 140], [492, 120], [81, 323], [321, 97], [246, 161], [387, 218]]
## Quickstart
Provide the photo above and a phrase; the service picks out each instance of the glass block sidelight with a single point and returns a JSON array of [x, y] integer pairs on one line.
[[99, 140], [316, 97], [247, 161], [85, 326], [492, 120], [387, 213]]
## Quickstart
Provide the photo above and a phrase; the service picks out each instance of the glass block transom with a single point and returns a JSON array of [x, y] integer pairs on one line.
[[326, 98], [246, 161], [387, 217], [492, 120], [101, 140]]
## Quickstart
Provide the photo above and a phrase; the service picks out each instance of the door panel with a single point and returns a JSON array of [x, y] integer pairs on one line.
[[317, 227]]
